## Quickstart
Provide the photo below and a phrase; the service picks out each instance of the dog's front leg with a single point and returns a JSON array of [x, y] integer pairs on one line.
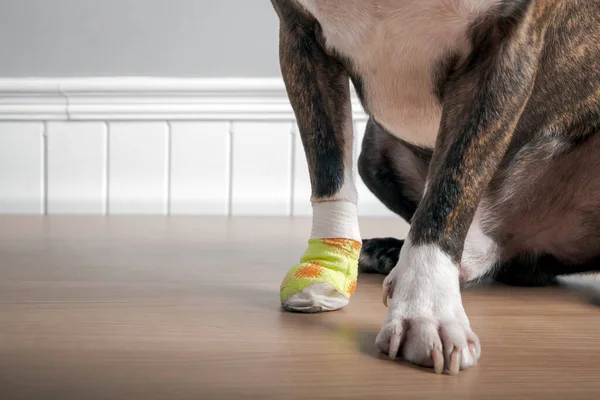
[[426, 322], [318, 88]]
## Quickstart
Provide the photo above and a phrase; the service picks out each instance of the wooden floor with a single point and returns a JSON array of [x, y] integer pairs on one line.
[[188, 308]]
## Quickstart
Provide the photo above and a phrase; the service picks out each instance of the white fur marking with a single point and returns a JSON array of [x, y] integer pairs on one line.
[[480, 253], [426, 312], [426, 283]]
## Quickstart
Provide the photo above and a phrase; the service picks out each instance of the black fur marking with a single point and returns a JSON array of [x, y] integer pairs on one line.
[[524, 272], [442, 73], [379, 256], [538, 271], [379, 172]]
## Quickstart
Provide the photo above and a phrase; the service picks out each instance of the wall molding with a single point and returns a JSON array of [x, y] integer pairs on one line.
[[147, 99], [32, 100]]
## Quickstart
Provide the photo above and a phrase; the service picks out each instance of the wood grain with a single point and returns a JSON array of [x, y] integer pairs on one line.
[[187, 308]]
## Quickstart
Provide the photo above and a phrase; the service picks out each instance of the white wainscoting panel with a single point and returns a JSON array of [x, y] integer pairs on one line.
[[200, 168], [138, 167], [262, 168], [21, 167], [76, 162], [156, 146], [301, 206]]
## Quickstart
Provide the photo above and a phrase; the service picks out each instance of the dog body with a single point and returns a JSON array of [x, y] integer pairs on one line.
[[483, 133]]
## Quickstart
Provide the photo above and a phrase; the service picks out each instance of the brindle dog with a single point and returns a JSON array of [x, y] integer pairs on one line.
[[483, 134]]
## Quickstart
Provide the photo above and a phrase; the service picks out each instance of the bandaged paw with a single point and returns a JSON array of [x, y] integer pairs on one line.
[[325, 278]]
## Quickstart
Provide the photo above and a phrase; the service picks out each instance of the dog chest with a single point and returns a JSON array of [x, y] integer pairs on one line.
[[396, 47]]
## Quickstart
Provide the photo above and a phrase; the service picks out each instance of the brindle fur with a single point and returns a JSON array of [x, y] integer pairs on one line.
[[541, 236], [321, 107], [518, 134]]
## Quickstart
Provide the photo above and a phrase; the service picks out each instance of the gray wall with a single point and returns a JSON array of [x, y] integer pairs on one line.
[[165, 38]]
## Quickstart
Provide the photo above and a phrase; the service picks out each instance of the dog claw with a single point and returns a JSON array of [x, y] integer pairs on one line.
[[473, 350], [438, 361], [454, 367], [388, 288], [424, 343], [395, 342]]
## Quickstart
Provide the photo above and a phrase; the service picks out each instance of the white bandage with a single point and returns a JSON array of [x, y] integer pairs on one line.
[[335, 219]]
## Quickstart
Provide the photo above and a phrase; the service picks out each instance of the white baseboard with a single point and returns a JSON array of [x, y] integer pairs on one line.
[[155, 146]]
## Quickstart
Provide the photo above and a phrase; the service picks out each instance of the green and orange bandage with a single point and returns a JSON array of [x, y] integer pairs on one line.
[[332, 261]]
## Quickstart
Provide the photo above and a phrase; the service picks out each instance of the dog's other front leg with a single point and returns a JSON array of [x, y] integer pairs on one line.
[[319, 92], [426, 323]]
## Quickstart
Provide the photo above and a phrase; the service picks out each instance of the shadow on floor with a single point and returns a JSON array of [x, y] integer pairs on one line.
[[588, 286]]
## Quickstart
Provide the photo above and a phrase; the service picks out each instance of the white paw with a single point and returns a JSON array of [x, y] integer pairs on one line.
[[444, 345], [316, 298], [426, 323]]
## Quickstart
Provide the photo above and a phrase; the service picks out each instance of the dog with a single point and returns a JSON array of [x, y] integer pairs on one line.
[[483, 134]]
